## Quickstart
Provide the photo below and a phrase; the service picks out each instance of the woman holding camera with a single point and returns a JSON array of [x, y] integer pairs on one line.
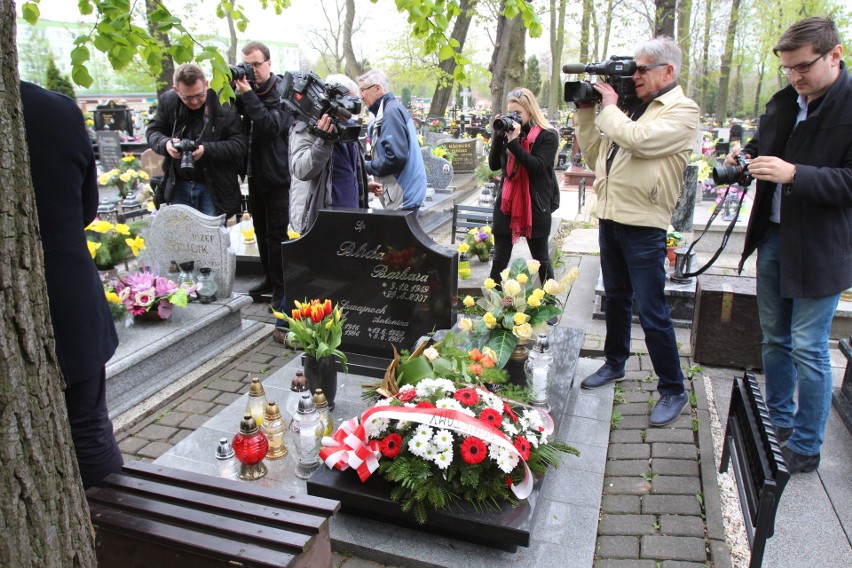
[[524, 147]]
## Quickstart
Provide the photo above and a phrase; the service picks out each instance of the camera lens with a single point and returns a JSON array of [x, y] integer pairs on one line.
[[726, 174]]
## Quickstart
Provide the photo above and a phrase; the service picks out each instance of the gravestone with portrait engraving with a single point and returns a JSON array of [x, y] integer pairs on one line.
[[394, 283], [180, 233], [439, 171], [465, 156], [109, 149]]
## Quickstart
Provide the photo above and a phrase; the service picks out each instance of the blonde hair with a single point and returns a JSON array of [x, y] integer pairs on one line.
[[526, 99]]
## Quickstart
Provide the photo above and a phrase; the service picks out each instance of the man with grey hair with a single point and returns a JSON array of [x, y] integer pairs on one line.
[[396, 161], [639, 160]]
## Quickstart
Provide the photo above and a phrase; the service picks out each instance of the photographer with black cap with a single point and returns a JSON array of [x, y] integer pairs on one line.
[[268, 125], [639, 161]]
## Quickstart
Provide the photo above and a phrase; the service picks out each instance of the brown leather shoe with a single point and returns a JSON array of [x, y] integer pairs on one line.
[[279, 336]]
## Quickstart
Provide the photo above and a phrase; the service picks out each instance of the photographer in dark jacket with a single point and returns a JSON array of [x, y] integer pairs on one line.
[[192, 112], [268, 127], [526, 153]]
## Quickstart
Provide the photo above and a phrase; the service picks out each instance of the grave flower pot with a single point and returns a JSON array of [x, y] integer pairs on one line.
[[322, 374]]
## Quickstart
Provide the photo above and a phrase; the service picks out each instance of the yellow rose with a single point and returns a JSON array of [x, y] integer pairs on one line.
[[486, 229], [466, 324], [468, 302], [128, 159], [112, 297], [143, 174], [99, 226], [489, 319], [472, 231], [131, 172], [504, 275], [538, 293], [431, 353], [519, 318], [523, 331], [511, 287], [463, 248], [533, 301], [522, 278], [122, 229], [489, 352], [552, 287], [533, 266], [489, 283], [93, 247], [125, 177], [103, 179]]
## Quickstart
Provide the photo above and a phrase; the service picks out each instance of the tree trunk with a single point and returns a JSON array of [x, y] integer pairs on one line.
[[725, 68], [353, 68], [507, 60], [664, 18], [444, 89], [684, 38], [165, 80], [232, 43], [588, 7], [761, 70], [705, 55], [44, 517], [557, 43]]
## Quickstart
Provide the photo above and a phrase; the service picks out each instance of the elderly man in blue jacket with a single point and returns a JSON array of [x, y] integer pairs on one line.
[[396, 162]]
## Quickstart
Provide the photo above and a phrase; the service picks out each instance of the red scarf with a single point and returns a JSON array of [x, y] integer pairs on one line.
[[516, 202]]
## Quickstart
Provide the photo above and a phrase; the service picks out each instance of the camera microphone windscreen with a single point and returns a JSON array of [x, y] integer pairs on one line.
[[569, 68]]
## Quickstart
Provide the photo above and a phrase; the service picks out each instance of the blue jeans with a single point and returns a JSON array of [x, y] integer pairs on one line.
[[633, 265], [795, 352], [196, 195]]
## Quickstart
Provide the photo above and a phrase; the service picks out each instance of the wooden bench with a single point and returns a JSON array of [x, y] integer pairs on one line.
[[755, 453], [466, 217], [157, 516]]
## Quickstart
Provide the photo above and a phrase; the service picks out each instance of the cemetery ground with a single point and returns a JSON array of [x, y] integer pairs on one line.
[[652, 495]]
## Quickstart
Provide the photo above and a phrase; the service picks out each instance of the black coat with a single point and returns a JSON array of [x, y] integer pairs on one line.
[[544, 191], [268, 126], [224, 146], [66, 191], [816, 211]]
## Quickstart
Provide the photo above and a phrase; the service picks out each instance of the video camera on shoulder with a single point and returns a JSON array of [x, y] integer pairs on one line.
[[617, 72], [307, 96]]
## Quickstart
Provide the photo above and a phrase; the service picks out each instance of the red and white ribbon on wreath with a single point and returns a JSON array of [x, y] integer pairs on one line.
[[349, 448]]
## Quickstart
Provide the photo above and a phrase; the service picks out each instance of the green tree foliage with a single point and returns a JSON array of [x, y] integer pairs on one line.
[[532, 80], [55, 81], [34, 53], [405, 97]]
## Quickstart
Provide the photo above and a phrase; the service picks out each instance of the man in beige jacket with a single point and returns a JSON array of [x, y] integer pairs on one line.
[[639, 161]]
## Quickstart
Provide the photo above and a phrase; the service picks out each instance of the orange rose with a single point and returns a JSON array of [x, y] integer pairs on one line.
[[475, 354], [487, 361], [475, 368]]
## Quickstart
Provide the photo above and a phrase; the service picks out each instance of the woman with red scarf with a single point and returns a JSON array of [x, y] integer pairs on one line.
[[528, 193]]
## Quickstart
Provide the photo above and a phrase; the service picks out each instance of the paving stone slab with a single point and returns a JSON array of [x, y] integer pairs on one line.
[[673, 548], [231, 375], [157, 432], [633, 423], [192, 406], [673, 435], [618, 547], [625, 437], [172, 418], [627, 524], [618, 563], [624, 504], [681, 525], [206, 395], [195, 421], [179, 436], [662, 466], [670, 504], [626, 486], [132, 444], [720, 554], [226, 398], [709, 482], [632, 409], [628, 451], [627, 468], [675, 485], [682, 564], [674, 451], [154, 450], [636, 395], [232, 385]]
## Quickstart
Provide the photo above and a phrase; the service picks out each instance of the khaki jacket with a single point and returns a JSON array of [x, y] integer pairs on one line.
[[646, 176]]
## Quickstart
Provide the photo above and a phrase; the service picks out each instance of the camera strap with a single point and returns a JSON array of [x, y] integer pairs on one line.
[[725, 237]]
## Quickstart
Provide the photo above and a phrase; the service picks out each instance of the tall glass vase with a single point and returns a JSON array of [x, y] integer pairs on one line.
[[322, 374], [515, 365]]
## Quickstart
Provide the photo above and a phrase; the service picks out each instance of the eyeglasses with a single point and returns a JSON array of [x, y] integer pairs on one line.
[[802, 68], [365, 89], [197, 97], [257, 64], [642, 69]]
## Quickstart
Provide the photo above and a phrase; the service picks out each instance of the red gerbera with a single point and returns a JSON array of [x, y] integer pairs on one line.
[[467, 397], [473, 450], [523, 446], [508, 410], [424, 404], [491, 416], [407, 395], [391, 445]]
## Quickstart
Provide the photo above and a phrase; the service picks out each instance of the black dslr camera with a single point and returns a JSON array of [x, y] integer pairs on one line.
[[504, 123], [243, 70], [186, 147], [617, 72], [307, 96], [738, 173]]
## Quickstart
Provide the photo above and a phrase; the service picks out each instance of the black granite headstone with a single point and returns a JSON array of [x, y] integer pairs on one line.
[[464, 154], [113, 116], [685, 208], [394, 283], [109, 149]]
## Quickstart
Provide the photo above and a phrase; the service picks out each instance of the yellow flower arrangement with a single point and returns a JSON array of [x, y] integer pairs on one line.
[[110, 244], [125, 177]]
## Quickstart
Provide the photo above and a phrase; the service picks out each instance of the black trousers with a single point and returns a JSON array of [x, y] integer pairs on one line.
[[91, 429], [270, 210], [503, 254]]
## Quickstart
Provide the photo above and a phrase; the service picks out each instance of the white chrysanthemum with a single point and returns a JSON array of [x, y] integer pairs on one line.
[[509, 428], [492, 400], [445, 384], [542, 439], [495, 452], [376, 426], [533, 440], [507, 463], [443, 439], [406, 388], [431, 452], [523, 423], [424, 387], [384, 402], [418, 446], [444, 459], [534, 419], [450, 403], [424, 431]]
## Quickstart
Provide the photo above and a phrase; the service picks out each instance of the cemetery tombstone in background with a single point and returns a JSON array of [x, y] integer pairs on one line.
[[464, 154], [114, 117], [183, 234], [439, 171], [109, 149], [394, 283]]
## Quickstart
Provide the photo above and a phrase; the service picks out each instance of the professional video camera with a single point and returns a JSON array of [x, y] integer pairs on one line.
[[738, 173], [186, 147], [504, 123], [306, 95], [617, 72], [243, 70]]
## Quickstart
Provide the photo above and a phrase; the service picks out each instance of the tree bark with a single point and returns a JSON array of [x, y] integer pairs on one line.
[[232, 43], [507, 60], [44, 517], [557, 43], [588, 7], [684, 38], [761, 70], [725, 67], [664, 18], [705, 55], [446, 68], [353, 67], [165, 80]]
